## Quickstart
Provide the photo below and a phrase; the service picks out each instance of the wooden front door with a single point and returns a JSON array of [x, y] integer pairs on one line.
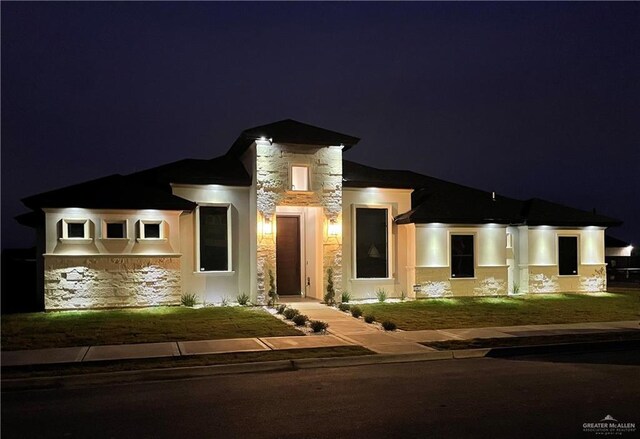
[[288, 255]]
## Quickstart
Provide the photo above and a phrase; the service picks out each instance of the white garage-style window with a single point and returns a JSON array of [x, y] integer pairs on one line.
[[300, 178], [75, 230], [372, 242], [213, 235], [114, 229], [150, 230]]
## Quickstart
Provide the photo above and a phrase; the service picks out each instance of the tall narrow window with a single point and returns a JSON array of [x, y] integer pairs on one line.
[[462, 256], [372, 258], [299, 178], [567, 255], [214, 238]]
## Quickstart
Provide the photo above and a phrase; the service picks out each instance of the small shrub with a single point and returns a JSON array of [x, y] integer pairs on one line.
[[381, 294], [318, 325], [290, 313], [281, 309], [188, 300], [300, 319], [389, 325], [356, 311], [345, 297], [403, 296], [330, 297], [515, 289], [344, 307], [369, 318], [273, 295], [329, 300], [243, 299], [224, 301]]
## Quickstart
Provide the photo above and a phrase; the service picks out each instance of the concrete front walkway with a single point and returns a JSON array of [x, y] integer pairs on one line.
[[356, 331]]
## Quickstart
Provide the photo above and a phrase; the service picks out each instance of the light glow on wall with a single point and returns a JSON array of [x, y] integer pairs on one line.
[[334, 229]]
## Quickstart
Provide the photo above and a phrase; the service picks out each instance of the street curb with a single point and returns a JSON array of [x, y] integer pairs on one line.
[[132, 376], [363, 360], [125, 377], [576, 347]]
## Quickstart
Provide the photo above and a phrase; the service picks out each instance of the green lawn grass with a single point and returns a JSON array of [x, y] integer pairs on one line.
[[48, 370], [147, 325], [540, 309]]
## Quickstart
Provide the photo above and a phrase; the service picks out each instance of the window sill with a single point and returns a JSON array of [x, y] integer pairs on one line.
[[114, 239], [372, 279], [75, 240], [151, 240], [463, 278], [299, 192], [216, 273], [569, 275]]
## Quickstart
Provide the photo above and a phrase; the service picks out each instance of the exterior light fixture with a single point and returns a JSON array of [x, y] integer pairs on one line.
[[333, 229], [267, 227]]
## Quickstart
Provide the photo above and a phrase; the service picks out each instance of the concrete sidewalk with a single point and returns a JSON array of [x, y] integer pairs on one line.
[[344, 330]]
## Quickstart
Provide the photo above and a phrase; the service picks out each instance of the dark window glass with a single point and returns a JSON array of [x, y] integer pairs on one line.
[[214, 245], [462, 256], [75, 230], [371, 243], [567, 255], [152, 231], [115, 230]]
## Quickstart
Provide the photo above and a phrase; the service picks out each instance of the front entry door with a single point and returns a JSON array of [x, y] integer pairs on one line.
[[288, 255]]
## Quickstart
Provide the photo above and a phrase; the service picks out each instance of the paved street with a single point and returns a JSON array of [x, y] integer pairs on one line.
[[545, 396]]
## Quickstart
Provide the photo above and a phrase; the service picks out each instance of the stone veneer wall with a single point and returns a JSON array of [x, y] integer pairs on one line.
[[435, 282], [109, 282], [545, 279], [272, 186]]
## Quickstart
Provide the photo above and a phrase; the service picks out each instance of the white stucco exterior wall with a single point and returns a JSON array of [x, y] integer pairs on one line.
[[543, 271], [398, 201], [433, 256], [96, 272], [213, 287]]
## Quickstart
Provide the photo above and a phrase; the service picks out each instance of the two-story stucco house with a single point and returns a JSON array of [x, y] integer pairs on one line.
[[283, 202]]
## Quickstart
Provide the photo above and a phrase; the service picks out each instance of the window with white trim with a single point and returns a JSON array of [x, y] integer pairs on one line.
[[567, 255], [372, 242], [151, 229], [462, 256], [114, 229], [299, 178], [75, 229], [214, 232]]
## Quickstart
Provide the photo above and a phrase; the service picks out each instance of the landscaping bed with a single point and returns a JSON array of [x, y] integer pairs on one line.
[[476, 312], [146, 325]]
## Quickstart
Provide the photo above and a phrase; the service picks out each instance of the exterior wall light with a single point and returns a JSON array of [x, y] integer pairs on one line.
[[333, 229], [267, 227]]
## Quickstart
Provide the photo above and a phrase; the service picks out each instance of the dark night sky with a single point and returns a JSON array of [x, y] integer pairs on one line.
[[527, 99]]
